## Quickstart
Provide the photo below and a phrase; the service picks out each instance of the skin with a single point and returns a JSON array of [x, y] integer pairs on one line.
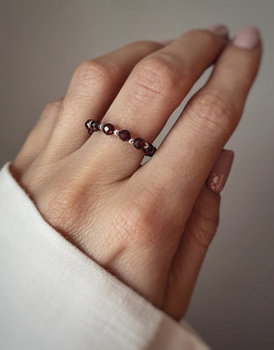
[[148, 225]]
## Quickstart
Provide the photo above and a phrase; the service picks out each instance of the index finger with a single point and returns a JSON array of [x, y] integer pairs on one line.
[[192, 146]]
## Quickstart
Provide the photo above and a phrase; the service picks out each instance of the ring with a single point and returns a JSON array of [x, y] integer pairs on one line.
[[124, 135]]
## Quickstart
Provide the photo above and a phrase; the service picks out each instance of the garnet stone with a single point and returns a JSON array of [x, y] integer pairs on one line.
[[92, 125], [108, 129], [139, 143], [150, 150], [124, 135]]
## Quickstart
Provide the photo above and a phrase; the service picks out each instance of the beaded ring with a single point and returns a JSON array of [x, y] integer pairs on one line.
[[124, 135]]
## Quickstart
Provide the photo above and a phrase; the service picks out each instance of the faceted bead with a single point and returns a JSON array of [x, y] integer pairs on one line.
[[88, 125], [92, 126], [150, 150], [108, 129], [139, 143], [95, 125], [124, 135]]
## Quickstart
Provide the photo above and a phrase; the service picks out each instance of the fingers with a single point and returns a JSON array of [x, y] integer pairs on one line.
[[194, 143], [154, 90], [93, 87], [38, 136], [197, 236], [199, 232]]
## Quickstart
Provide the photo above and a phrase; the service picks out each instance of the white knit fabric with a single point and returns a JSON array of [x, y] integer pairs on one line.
[[52, 296]]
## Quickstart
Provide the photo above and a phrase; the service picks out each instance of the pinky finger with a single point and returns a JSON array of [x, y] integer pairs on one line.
[[196, 238], [38, 137]]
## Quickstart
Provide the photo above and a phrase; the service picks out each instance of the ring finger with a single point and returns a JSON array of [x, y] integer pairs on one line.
[[154, 89], [93, 87]]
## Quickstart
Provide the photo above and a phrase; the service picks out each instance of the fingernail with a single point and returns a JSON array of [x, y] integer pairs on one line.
[[219, 29], [219, 174], [166, 42], [248, 38]]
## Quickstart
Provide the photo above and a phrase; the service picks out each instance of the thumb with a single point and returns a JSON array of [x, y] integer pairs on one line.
[[199, 232]]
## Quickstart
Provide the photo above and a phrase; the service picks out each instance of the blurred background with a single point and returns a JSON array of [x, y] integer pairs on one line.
[[42, 42]]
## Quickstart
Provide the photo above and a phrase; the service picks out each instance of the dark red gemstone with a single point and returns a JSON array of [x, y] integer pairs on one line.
[[139, 143], [108, 129], [150, 150], [124, 135], [95, 125], [88, 125], [92, 126]]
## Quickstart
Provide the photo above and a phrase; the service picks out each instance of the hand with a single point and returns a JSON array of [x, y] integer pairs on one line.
[[148, 225]]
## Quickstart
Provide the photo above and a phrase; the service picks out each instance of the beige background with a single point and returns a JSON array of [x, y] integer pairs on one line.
[[41, 44]]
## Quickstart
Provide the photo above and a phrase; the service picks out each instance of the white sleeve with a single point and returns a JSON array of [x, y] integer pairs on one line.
[[52, 296]]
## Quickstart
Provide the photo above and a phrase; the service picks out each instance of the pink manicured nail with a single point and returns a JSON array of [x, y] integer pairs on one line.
[[219, 174], [247, 38], [219, 29]]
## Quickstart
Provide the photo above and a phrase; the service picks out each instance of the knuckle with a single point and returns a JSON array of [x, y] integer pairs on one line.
[[143, 221], [94, 72], [156, 76], [135, 225], [129, 226], [213, 113], [55, 208], [60, 208]]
